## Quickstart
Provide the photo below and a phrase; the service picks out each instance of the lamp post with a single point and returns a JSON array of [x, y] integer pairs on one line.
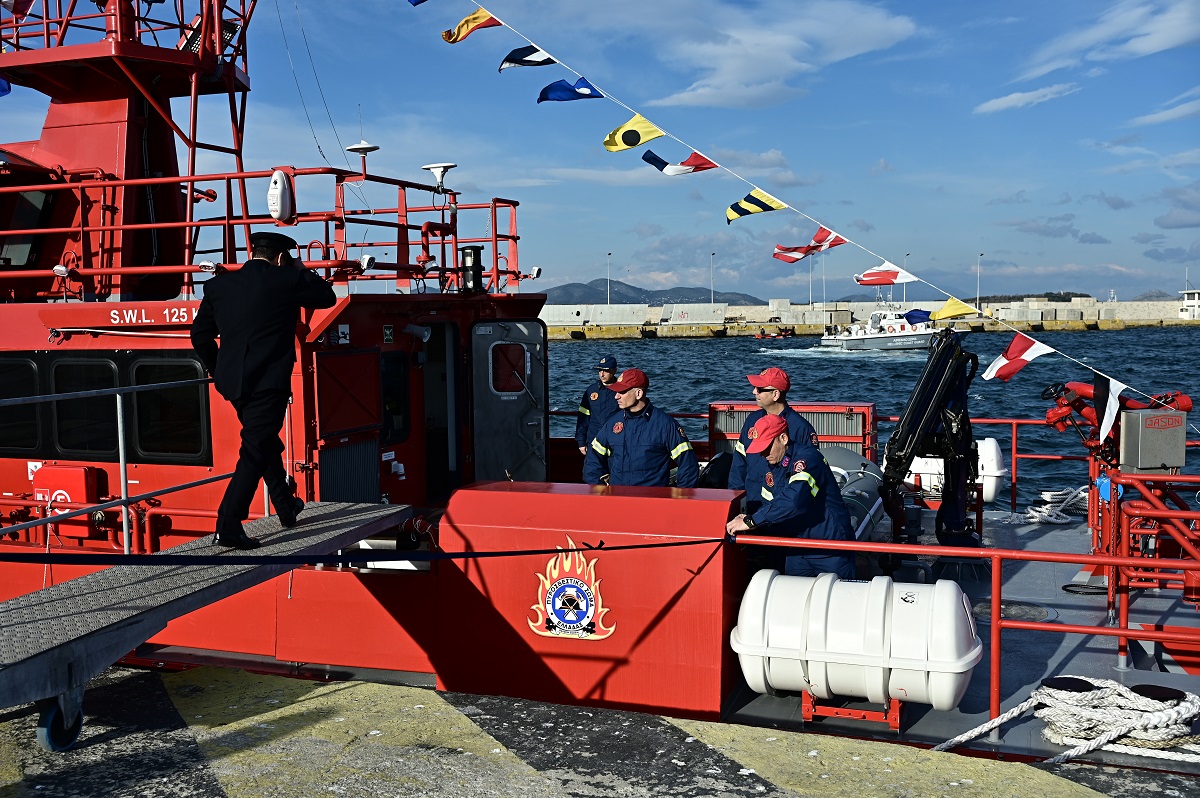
[[610, 278], [712, 293], [904, 285], [978, 267]]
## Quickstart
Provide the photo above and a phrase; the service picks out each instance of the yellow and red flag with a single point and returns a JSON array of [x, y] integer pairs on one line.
[[472, 23]]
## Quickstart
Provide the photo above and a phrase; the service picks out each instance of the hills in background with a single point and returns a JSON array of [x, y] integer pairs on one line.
[[597, 293]]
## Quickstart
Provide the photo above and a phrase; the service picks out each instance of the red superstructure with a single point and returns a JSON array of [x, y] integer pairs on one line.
[[106, 236]]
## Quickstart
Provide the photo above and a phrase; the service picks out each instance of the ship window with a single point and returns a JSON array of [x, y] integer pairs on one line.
[[394, 383], [508, 367], [85, 426], [18, 423], [21, 250], [170, 421]]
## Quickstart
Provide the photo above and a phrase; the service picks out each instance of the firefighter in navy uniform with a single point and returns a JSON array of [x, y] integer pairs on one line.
[[254, 311], [637, 444], [800, 498], [770, 392], [597, 404]]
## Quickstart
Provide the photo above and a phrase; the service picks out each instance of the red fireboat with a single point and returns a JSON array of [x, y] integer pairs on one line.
[[471, 557]]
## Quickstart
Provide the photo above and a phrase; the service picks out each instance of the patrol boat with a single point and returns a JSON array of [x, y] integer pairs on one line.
[[885, 328], [471, 559]]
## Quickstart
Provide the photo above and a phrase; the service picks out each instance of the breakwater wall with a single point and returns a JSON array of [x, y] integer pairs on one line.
[[781, 318]]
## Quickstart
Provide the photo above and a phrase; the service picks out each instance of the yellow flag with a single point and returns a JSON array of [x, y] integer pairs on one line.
[[634, 133], [953, 309]]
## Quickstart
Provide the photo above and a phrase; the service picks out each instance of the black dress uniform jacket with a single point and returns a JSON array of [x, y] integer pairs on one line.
[[254, 311]]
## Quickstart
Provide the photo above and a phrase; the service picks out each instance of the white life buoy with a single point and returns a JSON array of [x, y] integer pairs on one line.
[[891, 328]]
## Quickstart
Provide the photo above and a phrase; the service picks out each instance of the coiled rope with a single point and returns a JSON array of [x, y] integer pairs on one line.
[[1059, 507], [1088, 714]]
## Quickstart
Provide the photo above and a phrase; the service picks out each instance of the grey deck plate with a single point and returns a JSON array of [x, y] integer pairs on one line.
[[58, 638]]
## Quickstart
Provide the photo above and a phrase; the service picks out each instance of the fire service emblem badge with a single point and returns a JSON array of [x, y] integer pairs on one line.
[[569, 603]]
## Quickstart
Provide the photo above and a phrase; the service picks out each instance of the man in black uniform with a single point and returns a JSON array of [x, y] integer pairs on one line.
[[254, 310]]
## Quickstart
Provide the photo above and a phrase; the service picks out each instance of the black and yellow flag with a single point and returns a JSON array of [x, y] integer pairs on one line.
[[634, 133], [757, 201]]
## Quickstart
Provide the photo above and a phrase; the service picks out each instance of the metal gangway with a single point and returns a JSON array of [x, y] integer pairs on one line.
[[54, 640]]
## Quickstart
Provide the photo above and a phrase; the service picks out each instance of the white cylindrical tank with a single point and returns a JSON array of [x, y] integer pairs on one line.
[[992, 473], [875, 640], [989, 467]]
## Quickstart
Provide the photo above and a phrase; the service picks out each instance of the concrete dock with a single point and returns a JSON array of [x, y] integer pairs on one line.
[[217, 732]]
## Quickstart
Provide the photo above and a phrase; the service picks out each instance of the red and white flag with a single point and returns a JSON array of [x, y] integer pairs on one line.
[[19, 8], [1020, 351], [823, 240], [886, 273]]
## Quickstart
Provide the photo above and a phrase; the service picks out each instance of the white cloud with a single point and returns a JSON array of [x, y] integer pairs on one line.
[[1022, 99], [1182, 111], [1128, 29], [763, 46]]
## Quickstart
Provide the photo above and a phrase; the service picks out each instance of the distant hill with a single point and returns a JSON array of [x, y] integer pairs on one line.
[[1155, 296], [596, 293]]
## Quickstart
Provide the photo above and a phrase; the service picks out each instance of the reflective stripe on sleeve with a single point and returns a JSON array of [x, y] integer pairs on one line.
[[600, 448], [807, 477], [737, 447], [768, 495], [680, 449], [584, 410]]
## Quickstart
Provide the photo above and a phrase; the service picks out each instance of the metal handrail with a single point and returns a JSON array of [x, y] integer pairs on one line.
[[122, 462], [62, 397]]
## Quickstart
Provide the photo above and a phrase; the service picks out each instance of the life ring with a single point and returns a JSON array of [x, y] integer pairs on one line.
[[891, 329]]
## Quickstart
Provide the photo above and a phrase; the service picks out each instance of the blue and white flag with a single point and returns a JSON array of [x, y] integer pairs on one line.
[[5, 87], [525, 56], [561, 91]]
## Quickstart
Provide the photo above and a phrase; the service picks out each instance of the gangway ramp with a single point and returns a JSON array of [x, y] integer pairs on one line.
[[54, 640]]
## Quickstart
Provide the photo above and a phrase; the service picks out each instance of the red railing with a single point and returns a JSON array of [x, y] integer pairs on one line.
[[997, 558], [405, 229]]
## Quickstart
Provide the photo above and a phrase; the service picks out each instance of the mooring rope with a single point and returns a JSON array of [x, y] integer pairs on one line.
[[1059, 506], [1099, 713]]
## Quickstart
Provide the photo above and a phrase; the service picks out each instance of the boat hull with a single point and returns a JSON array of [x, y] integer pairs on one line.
[[904, 340]]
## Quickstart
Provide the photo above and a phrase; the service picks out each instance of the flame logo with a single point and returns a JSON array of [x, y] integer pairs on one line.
[[569, 602]]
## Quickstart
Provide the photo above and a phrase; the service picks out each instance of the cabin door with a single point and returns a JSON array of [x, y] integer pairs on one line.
[[511, 420]]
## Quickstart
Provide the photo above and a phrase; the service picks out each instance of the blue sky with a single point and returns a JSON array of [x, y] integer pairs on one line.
[[1061, 140]]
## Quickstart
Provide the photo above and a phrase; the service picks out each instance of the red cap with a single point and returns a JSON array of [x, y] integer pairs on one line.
[[630, 378], [771, 378], [765, 431]]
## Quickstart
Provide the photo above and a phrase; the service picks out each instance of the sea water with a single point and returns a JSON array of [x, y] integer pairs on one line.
[[686, 374]]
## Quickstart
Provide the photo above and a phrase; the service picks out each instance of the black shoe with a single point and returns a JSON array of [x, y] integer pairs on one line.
[[237, 540], [291, 508]]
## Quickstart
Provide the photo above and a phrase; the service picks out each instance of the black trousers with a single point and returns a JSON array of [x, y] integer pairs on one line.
[[260, 457]]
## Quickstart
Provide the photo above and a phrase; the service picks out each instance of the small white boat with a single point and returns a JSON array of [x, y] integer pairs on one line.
[[887, 328]]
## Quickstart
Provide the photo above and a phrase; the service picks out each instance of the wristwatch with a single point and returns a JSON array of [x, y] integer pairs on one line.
[[749, 522]]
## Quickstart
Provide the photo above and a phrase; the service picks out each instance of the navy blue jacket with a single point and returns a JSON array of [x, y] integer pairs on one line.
[[748, 473], [637, 449], [254, 310], [801, 499], [597, 404]]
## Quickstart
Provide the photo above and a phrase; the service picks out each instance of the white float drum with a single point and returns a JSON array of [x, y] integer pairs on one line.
[[874, 640]]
